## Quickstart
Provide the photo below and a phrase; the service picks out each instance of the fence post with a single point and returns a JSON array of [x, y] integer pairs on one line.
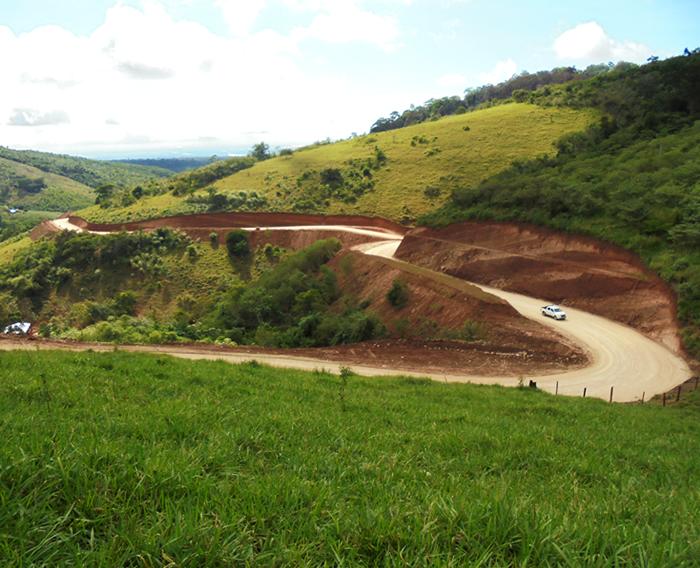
[[584, 392], [663, 400], [611, 393], [678, 394], [556, 388], [696, 383], [643, 393]]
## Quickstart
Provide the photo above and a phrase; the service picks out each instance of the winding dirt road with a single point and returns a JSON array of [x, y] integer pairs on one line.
[[621, 357]]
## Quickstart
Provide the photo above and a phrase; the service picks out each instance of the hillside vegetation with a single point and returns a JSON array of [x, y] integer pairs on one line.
[[163, 287], [121, 459], [398, 174], [633, 179]]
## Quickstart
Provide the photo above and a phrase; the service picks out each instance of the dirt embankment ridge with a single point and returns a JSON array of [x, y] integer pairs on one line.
[[572, 270], [215, 221]]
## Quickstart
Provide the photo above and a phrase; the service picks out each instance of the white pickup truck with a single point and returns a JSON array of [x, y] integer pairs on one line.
[[554, 311]]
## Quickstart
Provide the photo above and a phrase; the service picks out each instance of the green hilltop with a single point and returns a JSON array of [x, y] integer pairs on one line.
[[399, 174]]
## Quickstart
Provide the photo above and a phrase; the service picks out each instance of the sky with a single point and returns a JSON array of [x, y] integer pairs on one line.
[[147, 78]]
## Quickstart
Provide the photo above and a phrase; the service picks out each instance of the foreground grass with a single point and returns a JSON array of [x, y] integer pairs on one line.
[[128, 460]]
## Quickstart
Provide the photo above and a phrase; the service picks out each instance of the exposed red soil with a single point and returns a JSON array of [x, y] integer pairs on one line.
[[42, 229], [572, 270], [291, 239], [435, 306]]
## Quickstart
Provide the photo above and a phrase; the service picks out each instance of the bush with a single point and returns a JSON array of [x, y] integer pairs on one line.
[[237, 244], [398, 294]]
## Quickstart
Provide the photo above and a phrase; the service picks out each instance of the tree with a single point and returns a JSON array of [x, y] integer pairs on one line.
[[261, 151], [104, 193]]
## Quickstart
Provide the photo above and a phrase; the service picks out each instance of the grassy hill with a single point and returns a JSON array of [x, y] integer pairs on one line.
[[122, 459], [28, 187], [85, 171], [399, 174]]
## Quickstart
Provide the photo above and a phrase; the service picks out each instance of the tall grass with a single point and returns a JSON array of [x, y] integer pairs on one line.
[[132, 460]]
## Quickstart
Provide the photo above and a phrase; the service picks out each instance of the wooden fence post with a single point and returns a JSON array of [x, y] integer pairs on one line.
[[556, 389], [696, 383], [663, 400], [611, 393], [678, 394], [584, 392], [643, 393]]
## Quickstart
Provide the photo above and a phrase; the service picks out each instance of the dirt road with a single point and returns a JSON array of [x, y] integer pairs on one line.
[[622, 358]]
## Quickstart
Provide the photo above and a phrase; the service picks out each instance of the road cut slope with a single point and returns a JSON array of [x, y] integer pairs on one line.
[[622, 358]]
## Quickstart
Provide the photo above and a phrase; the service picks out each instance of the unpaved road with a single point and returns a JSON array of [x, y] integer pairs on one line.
[[622, 358]]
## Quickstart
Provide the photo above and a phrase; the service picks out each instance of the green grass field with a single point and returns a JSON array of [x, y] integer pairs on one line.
[[10, 247], [130, 460], [456, 151]]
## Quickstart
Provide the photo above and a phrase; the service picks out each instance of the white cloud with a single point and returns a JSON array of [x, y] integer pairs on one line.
[[144, 80], [591, 43], [346, 21], [240, 15], [453, 81], [501, 71]]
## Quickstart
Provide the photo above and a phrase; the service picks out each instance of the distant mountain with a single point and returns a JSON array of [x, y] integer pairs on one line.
[[175, 165]]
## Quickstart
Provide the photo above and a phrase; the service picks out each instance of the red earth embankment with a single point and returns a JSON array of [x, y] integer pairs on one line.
[[572, 270], [213, 221], [506, 343], [203, 225]]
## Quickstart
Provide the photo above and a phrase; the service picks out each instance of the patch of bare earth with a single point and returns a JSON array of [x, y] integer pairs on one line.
[[506, 343]]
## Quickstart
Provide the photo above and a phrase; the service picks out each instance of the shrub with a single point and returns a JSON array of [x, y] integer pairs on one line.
[[398, 294], [237, 244], [124, 304], [332, 177], [192, 251]]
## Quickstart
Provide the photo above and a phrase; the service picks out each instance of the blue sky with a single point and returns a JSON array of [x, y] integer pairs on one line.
[[137, 78]]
